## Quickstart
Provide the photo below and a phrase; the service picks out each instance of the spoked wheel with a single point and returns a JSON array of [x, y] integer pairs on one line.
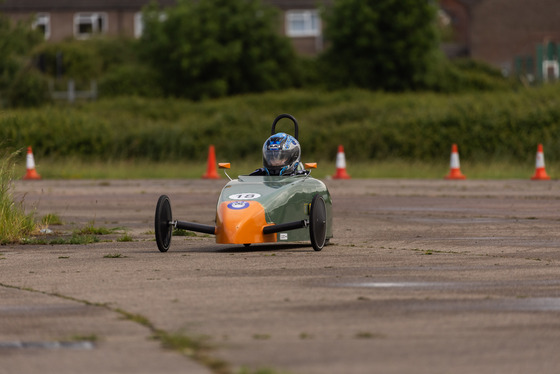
[[318, 222], [162, 223]]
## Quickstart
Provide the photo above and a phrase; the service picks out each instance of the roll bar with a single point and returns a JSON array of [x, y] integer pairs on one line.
[[289, 117]]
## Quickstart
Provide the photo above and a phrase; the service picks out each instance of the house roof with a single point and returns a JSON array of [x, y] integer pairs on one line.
[[50, 5]]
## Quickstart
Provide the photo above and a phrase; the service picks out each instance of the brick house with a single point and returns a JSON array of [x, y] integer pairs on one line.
[[61, 19], [456, 15], [509, 34]]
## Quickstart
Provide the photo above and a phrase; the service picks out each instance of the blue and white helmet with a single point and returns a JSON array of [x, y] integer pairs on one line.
[[281, 154]]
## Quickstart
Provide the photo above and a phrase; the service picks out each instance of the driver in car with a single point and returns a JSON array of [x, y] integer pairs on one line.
[[281, 156]]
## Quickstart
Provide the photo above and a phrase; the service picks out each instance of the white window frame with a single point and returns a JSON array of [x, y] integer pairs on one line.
[[94, 19], [309, 19], [43, 20], [138, 24]]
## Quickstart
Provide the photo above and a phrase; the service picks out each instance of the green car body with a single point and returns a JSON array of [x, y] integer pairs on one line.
[[284, 199], [261, 209]]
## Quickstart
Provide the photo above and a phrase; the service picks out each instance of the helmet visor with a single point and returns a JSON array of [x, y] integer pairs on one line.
[[276, 158]]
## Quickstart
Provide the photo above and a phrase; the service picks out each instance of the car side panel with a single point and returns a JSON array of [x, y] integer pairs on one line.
[[284, 199]]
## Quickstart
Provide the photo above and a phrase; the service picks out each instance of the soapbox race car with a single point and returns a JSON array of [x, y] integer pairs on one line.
[[261, 209]]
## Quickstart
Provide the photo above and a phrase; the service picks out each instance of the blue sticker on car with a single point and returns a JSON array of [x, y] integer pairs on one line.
[[238, 205]]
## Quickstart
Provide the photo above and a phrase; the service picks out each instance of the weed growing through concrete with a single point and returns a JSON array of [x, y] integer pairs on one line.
[[179, 232], [261, 336], [90, 229], [51, 219], [197, 348], [125, 238], [74, 239], [83, 338], [14, 223], [368, 335], [245, 370]]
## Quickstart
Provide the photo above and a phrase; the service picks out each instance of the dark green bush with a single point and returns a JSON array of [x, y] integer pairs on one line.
[[215, 48], [470, 75], [381, 44], [500, 125], [114, 51], [130, 79], [16, 41], [28, 89], [75, 59]]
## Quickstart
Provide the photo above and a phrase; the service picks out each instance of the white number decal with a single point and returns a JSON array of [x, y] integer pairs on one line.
[[244, 196]]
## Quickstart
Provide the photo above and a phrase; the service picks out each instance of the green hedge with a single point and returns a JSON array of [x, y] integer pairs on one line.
[[497, 126]]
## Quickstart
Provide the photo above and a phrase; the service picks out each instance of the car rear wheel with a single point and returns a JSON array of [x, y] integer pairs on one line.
[[318, 222], [162, 223]]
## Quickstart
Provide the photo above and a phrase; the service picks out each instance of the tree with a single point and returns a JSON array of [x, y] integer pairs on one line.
[[382, 44], [16, 42], [212, 48]]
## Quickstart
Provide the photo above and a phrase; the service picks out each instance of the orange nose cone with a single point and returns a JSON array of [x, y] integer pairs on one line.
[[241, 222]]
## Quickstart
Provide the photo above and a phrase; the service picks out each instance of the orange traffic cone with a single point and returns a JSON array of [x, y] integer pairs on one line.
[[540, 172], [211, 171], [455, 169], [30, 164], [341, 165]]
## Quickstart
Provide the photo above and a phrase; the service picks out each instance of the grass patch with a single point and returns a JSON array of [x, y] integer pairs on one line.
[[51, 219], [125, 238], [261, 336], [395, 168], [15, 224], [74, 239], [196, 348], [179, 232], [245, 370], [367, 335], [137, 318], [90, 229], [83, 338], [114, 255], [181, 342], [372, 126]]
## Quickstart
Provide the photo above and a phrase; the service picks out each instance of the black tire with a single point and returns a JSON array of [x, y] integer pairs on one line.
[[162, 223], [318, 222]]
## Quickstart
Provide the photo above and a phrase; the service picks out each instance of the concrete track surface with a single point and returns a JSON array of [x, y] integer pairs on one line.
[[422, 276]]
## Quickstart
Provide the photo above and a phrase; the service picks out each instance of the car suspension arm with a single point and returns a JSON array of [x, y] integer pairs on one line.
[[285, 227], [191, 226]]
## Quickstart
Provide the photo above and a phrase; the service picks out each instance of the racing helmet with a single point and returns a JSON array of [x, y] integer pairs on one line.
[[281, 154]]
